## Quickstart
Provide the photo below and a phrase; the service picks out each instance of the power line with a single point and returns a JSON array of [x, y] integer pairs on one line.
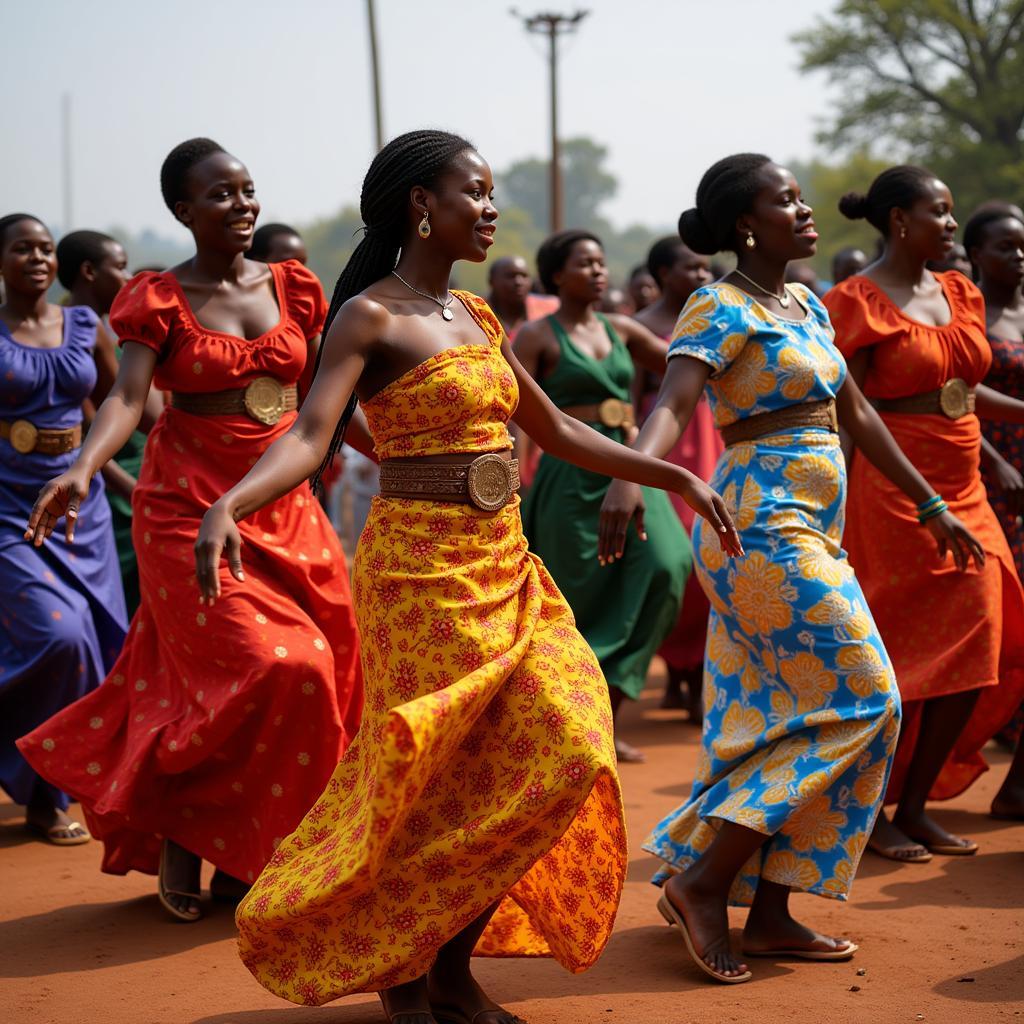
[[553, 25]]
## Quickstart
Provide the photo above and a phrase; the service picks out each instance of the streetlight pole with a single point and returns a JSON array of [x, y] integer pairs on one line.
[[378, 116], [553, 25]]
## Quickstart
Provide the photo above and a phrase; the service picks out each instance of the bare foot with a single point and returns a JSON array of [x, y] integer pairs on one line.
[[929, 833], [764, 936], [707, 921], [456, 998], [889, 841], [407, 1004]]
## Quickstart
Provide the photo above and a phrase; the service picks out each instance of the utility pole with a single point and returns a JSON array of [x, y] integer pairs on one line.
[[378, 116], [65, 162], [553, 25]]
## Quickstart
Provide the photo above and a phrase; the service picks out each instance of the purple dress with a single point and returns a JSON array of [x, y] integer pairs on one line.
[[62, 616]]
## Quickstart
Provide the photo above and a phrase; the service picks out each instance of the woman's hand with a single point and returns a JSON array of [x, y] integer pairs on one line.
[[951, 535], [710, 505], [62, 496], [624, 503], [218, 535]]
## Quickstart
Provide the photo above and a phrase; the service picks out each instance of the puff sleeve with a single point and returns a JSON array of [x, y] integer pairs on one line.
[[859, 317], [713, 327], [145, 310], [304, 296]]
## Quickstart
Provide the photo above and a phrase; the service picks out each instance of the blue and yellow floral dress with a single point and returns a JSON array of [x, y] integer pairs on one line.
[[801, 710]]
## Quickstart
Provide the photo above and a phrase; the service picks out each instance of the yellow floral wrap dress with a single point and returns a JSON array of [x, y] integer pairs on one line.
[[801, 710], [484, 768]]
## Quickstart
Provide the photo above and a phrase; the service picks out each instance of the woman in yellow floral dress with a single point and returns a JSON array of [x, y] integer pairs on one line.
[[478, 806], [801, 710]]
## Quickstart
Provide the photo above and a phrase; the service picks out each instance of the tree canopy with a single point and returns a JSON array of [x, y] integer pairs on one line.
[[940, 82]]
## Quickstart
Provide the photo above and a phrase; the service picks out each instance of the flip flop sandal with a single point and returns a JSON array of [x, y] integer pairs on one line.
[[163, 892], [808, 954], [673, 916], [890, 853], [53, 833], [965, 849]]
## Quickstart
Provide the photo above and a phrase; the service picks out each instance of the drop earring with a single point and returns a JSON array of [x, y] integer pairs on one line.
[[751, 241], [424, 228], [903, 232]]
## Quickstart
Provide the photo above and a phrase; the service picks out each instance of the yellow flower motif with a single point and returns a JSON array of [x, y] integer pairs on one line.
[[805, 674], [783, 706], [729, 656], [735, 808], [760, 595], [832, 610], [866, 673], [747, 379], [696, 317], [815, 826], [777, 794], [712, 557], [867, 790], [733, 296], [809, 785], [786, 868], [829, 367], [841, 739], [817, 563], [842, 879], [815, 479], [745, 514], [798, 373], [738, 457], [778, 766], [859, 627], [739, 732]]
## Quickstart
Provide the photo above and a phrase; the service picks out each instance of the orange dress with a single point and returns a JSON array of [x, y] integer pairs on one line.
[[946, 632], [217, 727]]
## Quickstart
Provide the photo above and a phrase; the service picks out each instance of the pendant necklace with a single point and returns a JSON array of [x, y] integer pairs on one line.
[[445, 306], [783, 299]]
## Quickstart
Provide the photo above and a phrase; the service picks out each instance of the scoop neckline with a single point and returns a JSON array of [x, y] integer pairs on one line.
[[65, 323], [802, 303], [941, 278], [282, 309]]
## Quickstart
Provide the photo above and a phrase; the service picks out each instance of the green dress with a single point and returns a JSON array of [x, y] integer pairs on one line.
[[626, 609]]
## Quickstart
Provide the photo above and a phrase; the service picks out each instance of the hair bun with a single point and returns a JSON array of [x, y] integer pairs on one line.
[[854, 205], [695, 232]]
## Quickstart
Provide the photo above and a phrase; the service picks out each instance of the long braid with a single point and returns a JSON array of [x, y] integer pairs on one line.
[[416, 158]]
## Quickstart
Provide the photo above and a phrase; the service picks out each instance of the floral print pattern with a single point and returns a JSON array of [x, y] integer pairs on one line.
[[801, 711], [484, 768]]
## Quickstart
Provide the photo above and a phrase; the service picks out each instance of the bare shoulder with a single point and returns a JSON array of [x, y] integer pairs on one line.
[[534, 336], [359, 323]]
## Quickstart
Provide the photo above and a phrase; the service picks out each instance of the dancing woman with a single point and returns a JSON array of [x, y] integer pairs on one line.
[[478, 807], [63, 619], [917, 342], [217, 728], [584, 362], [801, 707]]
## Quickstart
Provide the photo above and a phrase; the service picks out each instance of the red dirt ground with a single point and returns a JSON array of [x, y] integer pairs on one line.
[[941, 942]]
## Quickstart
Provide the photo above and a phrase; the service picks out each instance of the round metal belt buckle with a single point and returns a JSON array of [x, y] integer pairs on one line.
[[264, 400], [954, 398], [612, 413], [490, 482], [24, 436]]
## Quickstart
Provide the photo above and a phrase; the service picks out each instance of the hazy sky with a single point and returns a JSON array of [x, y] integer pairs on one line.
[[668, 85]]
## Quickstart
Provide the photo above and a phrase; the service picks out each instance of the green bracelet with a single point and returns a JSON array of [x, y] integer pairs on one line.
[[931, 513]]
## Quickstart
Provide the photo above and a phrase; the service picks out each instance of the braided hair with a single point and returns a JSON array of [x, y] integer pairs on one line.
[[416, 158], [176, 166], [725, 193], [895, 188]]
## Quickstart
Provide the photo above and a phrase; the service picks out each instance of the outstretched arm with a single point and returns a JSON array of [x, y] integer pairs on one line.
[[869, 433], [569, 439], [295, 455], [994, 405], [647, 349]]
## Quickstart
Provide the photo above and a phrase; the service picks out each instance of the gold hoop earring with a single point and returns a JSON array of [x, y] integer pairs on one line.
[[751, 241], [424, 228]]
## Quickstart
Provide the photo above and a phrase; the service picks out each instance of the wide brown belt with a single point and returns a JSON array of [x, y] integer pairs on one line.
[[803, 414], [26, 437], [264, 399], [612, 412], [953, 400], [487, 482]]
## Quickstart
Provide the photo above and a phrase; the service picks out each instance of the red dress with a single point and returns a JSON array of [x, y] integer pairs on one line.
[[946, 631], [217, 727]]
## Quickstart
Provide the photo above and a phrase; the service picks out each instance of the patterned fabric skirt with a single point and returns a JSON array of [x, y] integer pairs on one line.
[[801, 711], [483, 771]]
